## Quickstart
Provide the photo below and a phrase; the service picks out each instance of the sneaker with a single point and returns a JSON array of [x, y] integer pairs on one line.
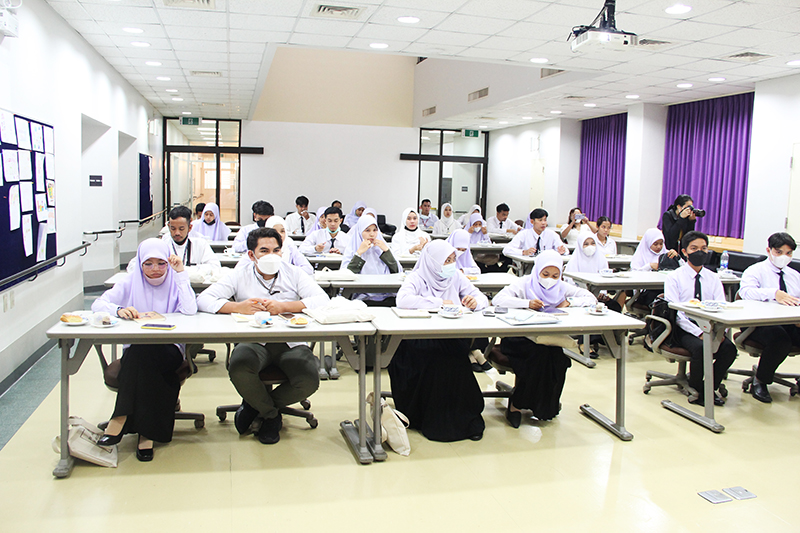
[[270, 430], [244, 417]]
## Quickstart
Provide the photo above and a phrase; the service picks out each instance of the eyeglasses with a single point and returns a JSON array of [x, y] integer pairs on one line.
[[154, 266]]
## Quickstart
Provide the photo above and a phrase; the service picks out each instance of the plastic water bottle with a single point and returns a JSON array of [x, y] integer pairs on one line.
[[723, 261]]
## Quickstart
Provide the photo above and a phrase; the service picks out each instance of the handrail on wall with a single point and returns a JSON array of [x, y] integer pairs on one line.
[[38, 267], [97, 234], [145, 220]]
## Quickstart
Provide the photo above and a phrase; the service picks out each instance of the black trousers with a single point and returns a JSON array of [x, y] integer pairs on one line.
[[723, 358], [777, 341]]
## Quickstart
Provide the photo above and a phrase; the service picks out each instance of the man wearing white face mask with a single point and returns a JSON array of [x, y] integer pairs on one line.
[[266, 284], [772, 281]]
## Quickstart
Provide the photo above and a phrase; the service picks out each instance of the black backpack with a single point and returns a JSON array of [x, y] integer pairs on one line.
[[660, 308]]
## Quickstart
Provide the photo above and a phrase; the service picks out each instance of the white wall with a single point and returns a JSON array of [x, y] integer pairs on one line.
[[776, 127], [51, 74], [326, 162]]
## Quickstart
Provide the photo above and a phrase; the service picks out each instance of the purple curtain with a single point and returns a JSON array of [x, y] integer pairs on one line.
[[707, 157], [601, 181]]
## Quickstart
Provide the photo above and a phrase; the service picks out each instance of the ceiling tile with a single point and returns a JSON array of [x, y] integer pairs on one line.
[[484, 53], [705, 50], [196, 33], [750, 37], [391, 33], [263, 37], [308, 39], [327, 27], [387, 15], [262, 22], [70, 11], [200, 56], [450, 38], [247, 48], [688, 30], [656, 8], [193, 17], [128, 15], [87, 27], [502, 9], [510, 43], [433, 49], [246, 58], [746, 14], [534, 30], [284, 8], [364, 44], [473, 25], [441, 5], [789, 22], [565, 16]]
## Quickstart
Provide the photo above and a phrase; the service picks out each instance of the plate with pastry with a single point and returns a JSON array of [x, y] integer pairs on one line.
[[74, 319], [103, 320], [297, 322]]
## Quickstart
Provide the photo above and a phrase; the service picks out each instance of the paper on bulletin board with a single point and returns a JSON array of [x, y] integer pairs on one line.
[[8, 132], [25, 168], [50, 166], [48, 140], [51, 220], [51, 193], [23, 134], [41, 249], [39, 172], [37, 137], [26, 195], [27, 235], [41, 207], [10, 165], [13, 207]]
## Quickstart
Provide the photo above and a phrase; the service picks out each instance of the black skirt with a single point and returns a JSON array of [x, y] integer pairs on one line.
[[434, 385], [540, 373], [148, 390]]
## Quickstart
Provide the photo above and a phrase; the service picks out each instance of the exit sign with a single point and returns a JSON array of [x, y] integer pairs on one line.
[[470, 133], [190, 121]]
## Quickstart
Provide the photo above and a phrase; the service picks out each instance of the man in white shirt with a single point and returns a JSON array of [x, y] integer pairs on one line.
[[772, 281], [426, 219], [692, 281], [500, 222], [297, 223], [267, 284], [536, 239], [261, 212], [328, 239]]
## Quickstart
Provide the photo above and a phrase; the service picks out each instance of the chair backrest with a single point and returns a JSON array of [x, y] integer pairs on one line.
[[795, 264], [739, 261]]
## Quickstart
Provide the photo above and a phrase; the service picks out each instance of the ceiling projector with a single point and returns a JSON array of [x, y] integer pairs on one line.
[[602, 34]]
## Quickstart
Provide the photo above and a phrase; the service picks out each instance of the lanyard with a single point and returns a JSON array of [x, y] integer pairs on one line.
[[187, 252], [263, 283]]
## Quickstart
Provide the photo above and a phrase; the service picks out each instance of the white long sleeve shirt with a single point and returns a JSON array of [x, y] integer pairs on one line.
[[409, 295], [240, 241], [427, 221], [609, 248], [514, 296], [679, 288], [200, 254], [321, 236], [760, 282], [495, 226], [528, 238], [293, 225]]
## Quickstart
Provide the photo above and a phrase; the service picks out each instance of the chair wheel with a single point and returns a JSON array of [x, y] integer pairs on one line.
[[222, 415], [306, 404], [313, 423], [211, 358], [631, 340], [745, 387], [199, 424], [646, 389]]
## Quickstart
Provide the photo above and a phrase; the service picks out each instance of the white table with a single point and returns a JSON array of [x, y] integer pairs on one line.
[[220, 246], [198, 286], [631, 280], [492, 282], [524, 263], [745, 314], [206, 328], [613, 326]]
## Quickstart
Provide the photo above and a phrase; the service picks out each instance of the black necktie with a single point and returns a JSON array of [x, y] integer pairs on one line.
[[302, 225], [781, 283], [538, 244], [333, 243], [698, 289], [501, 224]]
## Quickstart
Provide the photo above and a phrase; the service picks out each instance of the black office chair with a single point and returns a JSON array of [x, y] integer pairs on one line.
[[740, 261], [388, 229]]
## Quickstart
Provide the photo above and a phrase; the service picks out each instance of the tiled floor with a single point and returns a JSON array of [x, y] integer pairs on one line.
[[565, 475]]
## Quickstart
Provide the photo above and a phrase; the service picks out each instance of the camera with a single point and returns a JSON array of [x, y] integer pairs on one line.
[[699, 213]]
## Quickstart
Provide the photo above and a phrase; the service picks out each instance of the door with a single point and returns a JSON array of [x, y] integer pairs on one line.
[[793, 213]]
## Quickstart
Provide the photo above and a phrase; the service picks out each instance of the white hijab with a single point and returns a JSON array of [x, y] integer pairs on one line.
[[464, 219], [580, 262], [448, 224], [403, 240], [644, 255]]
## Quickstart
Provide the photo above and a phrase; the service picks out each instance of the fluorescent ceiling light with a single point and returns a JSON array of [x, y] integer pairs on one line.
[[555, 112], [172, 90], [716, 79], [207, 121], [527, 118], [678, 9], [503, 122], [408, 20], [684, 86], [793, 63], [163, 78], [177, 99], [379, 46], [153, 63], [133, 30], [589, 105], [539, 60], [186, 113], [632, 96], [140, 44]]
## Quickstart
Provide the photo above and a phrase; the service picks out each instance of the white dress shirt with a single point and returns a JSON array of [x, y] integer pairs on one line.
[[240, 241], [760, 282], [514, 296], [293, 225], [679, 288], [528, 239], [609, 248], [427, 221], [495, 226], [321, 236], [200, 254], [289, 253]]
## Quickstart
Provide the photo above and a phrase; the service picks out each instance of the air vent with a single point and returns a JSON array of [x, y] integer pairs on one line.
[[574, 97], [547, 72], [653, 43], [212, 104], [191, 4], [477, 95], [748, 57], [205, 73], [336, 12], [428, 112]]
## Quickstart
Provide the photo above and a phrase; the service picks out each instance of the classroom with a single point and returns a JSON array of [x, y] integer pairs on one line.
[[663, 116]]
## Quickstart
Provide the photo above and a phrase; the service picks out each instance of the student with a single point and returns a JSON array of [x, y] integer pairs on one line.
[[261, 212], [426, 219], [447, 224], [692, 281], [328, 239], [319, 220], [477, 229], [432, 380], [211, 227], [587, 258], [148, 382], [463, 220], [337, 204], [289, 250], [772, 281], [409, 239], [198, 213], [605, 244], [536, 239], [460, 240], [540, 371], [301, 221], [577, 223], [268, 283], [500, 222], [352, 218], [649, 251], [678, 220], [368, 253]]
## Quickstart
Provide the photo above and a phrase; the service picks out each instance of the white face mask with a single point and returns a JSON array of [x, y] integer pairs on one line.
[[547, 282], [780, 261], [590, 250], [448, 270], [269, 264], [155, 282], [459, 253]]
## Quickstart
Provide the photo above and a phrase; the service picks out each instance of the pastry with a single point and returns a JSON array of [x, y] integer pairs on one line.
[[66, 317], [299, 321]]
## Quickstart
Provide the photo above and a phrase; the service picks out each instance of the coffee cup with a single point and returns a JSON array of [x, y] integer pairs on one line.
[[262, 318]]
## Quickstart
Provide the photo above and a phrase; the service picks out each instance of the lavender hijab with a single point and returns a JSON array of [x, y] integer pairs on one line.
[[534, 290], [429, 268], [460, 238], [352, 219], [139, 293], [316, 225], [477, 236], [213, 232], [644, 255], [372, 257]]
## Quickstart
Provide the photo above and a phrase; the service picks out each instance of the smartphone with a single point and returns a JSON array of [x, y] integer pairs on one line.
[[500, 310], [286, 316], [158, 326], [488, 312]]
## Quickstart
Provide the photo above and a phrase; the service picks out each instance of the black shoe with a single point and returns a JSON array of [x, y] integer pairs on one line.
[[145, 454], [718, 401], [244, 417], [477, 436], [476, 367], [109, 440], [270, 430], [760, 392], [486, 366], [514, 418]]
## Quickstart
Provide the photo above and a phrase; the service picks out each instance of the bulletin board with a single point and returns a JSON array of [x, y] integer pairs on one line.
[[27, 194]]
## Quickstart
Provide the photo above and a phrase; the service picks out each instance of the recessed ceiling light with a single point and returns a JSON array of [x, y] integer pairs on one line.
[[172, 90], [177, 99], [503, 122], [555, 112], [678, 9], [140, 44], [793, 63], [186, 113], [716, 79], [133, 30], [408, 20], [205, 129], [632, 96], [379, 46], [163, 78], [539, 60], [207, 121], [153, 63], [589, 105], [684, 86], [527, 118]]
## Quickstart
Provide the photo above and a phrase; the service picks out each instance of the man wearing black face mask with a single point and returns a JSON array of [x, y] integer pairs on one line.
[[261, 212], [693, 282]]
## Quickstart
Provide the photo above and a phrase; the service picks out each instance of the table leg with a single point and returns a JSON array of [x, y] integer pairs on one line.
[[376, 448], [356, 434], [617, 343], [65, 464]]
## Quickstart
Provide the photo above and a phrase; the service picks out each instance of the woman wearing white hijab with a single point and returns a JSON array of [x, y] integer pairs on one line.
[[210, 226], [540, 371], [588, 259], [432, 380], [464, 219], [447, 224], [650, 250], [409, 239], [368, 253], [289, 251]]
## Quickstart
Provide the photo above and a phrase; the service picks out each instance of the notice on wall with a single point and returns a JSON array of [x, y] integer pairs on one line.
[[41, 207], [13, 207], [50, 166], [25, 168], [23, 133], [41, 248], [8, 131], [27, 235], [51, 193], [40, 173], [10, 165], [26, 195], [37, 137], [51, 220], [48, 140]]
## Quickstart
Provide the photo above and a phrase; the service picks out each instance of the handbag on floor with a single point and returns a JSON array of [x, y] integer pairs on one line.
[[82, 442], [394, 425]]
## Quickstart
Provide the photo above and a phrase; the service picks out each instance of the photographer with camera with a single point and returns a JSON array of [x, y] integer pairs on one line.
[[679, 220], [577, 223]]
